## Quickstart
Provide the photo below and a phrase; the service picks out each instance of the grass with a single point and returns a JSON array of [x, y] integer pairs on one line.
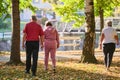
[[67, 69]]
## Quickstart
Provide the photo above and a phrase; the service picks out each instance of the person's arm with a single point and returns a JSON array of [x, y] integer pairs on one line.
[[57, 39], [41, 41], [41, 37], [117, 40], [23, 40], [101, 40]]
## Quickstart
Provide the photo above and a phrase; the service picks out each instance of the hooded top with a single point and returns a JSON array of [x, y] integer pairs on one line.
[[51, 33]]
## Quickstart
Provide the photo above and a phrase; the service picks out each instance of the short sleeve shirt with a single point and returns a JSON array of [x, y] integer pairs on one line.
[[109, 34], [33, 31]]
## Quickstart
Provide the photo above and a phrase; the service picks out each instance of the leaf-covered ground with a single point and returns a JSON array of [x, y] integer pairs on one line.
[[67, 69]]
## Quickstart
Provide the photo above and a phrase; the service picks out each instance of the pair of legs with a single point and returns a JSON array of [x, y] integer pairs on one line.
[[50, 48], [32, 48], [108, 50]]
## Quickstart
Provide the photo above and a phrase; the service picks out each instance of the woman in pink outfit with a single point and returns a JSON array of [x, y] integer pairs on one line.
[[51, 44]]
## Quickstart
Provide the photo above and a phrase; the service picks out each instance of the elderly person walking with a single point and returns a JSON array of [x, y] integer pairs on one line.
[[51, 43], [32, 38], [109, 39]]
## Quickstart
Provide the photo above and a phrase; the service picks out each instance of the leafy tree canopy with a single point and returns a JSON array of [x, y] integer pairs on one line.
[[70, 10], [5, 6], [73, 10], [107, 6]]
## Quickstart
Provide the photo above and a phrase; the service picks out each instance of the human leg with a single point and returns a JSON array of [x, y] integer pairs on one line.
[[28, 56], [105, 51], [52, 54], [35, 57], [111, 52], [53, 58], [46, 57]]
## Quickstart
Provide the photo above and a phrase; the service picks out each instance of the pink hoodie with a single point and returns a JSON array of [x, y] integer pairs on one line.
[[51, 34]]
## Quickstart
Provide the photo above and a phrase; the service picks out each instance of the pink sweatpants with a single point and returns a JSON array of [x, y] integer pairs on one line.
[[50, 48]]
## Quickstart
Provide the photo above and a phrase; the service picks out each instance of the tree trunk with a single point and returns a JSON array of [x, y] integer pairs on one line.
[[15, 47], [88, 47], [101, 19]]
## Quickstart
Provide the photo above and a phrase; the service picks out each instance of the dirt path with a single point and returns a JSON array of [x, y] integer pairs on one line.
[[59, 55]]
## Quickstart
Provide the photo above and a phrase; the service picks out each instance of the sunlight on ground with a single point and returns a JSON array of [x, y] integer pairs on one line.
[[67, 69]]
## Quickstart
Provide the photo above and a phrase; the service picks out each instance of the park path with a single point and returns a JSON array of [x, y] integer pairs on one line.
[[60, 55]]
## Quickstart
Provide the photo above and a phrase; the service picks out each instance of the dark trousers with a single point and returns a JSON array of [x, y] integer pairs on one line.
[[108, 50], [32, 49]]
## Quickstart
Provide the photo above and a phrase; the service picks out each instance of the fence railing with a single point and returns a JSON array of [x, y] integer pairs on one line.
[[67, 42], [70, 41], [5, 35]]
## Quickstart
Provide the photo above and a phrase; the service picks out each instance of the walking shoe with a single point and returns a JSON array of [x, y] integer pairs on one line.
[[45, 69], [33, 74], [27, 72], [54, 70], [107, 69]]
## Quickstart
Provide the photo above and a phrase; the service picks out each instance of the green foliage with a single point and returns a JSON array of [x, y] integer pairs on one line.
[[24, 4], [70, 11], [107, 5], [5, 11], [5, 7], [5, 21]]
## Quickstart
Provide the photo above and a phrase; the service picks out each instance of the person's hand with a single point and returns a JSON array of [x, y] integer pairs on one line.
[[117, 43], [42, 47], [57, 45], [23, 46], [100, 46]]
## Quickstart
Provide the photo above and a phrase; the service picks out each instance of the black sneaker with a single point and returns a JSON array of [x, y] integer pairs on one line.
[[33, 74], [54, 70], [27, 72]]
